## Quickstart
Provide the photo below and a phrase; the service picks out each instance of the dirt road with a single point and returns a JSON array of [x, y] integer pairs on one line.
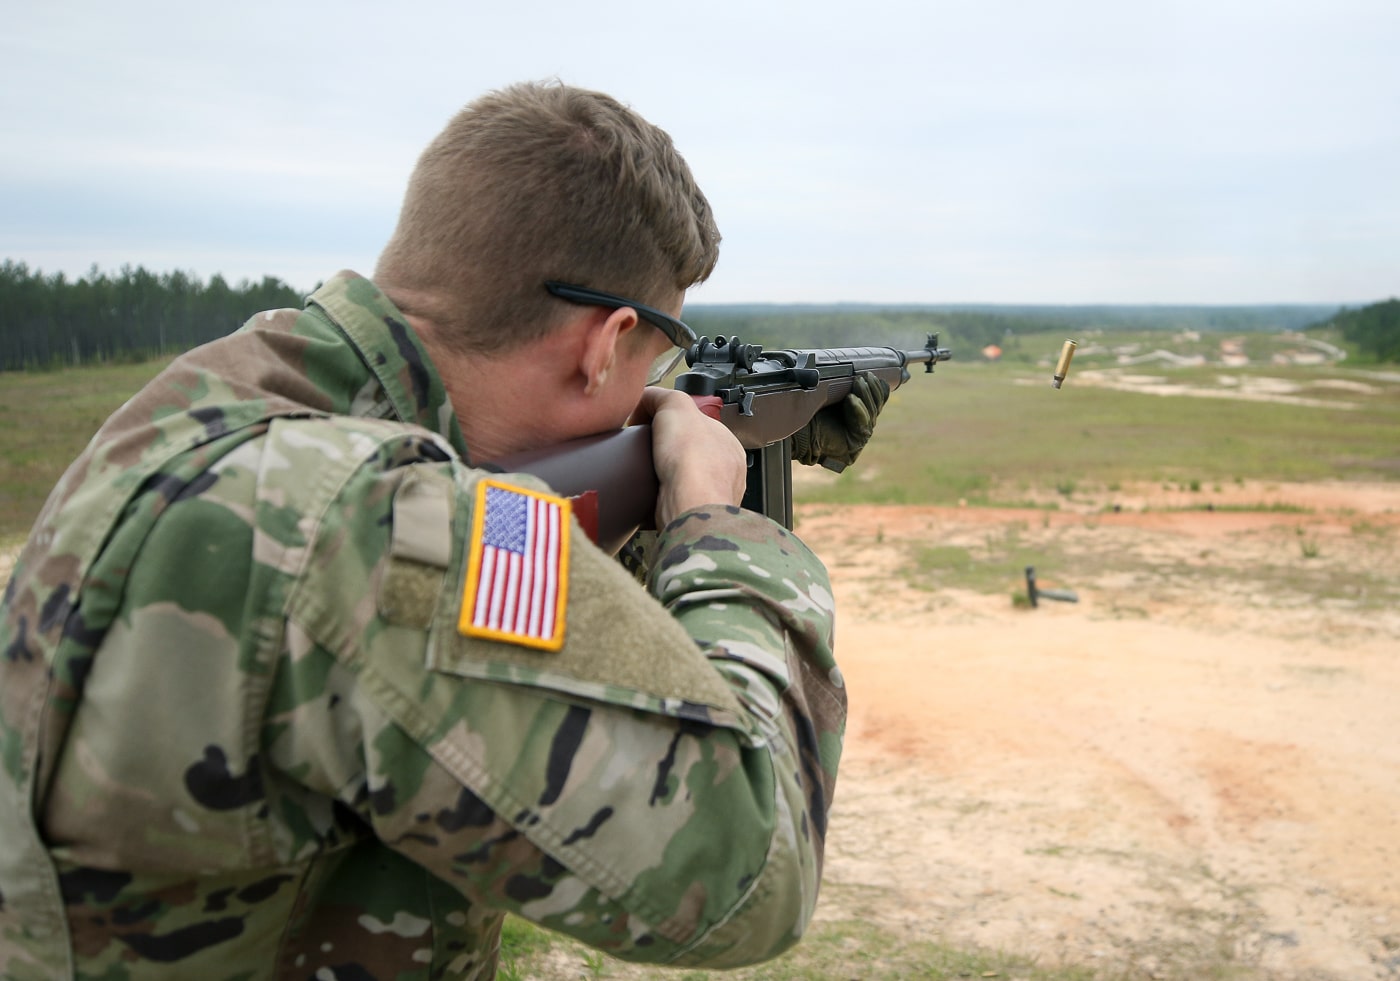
[[1195, 766]]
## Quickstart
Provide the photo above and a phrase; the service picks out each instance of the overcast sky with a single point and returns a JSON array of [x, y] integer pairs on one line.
[[1074, 151]]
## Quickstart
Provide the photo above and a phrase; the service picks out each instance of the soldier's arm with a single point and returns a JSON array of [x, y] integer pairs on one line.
[[657, 786]]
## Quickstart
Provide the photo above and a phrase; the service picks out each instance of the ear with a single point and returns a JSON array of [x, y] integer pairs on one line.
[[600, 346]]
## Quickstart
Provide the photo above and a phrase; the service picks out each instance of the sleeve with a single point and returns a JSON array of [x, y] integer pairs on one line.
[[650, 773]]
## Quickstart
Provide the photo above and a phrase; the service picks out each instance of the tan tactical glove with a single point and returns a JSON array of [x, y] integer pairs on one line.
[[837, 434]]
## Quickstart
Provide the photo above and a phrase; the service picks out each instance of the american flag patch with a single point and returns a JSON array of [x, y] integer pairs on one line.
[[517, 580]]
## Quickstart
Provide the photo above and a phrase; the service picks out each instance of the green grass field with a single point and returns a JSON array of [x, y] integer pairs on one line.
[[974, 431], [46, 418], [836, 951]]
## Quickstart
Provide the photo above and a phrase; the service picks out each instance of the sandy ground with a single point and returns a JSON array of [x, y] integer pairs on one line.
[[1193, 768]]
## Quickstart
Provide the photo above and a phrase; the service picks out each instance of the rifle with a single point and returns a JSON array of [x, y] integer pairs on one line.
[[763, 397]]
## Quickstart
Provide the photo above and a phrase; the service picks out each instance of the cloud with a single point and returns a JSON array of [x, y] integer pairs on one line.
[[892, 150]]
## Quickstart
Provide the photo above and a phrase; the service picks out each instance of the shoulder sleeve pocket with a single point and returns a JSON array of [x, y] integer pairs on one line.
[[617, 644]]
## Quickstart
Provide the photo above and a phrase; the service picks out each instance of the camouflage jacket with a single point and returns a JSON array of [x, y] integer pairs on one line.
[[266, 713]]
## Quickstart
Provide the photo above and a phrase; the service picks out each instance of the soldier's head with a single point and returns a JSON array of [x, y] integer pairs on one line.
[[538, 183]]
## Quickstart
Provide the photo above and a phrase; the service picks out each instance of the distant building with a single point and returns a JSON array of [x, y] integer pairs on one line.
[[1300, 357], [1232, 353]]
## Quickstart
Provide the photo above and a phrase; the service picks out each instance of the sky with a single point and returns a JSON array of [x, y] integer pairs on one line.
[[882, 151]]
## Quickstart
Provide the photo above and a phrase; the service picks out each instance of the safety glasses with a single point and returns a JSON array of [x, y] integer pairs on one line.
[[676, 331]]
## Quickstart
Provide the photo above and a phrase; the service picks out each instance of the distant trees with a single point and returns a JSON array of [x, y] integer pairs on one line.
[[1375, 330], [47, 321]]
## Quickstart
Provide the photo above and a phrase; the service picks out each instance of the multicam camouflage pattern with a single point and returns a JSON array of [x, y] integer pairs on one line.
[[241, 737]]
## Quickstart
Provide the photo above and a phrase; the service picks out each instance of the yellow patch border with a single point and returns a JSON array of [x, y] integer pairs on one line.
[[464, 624]]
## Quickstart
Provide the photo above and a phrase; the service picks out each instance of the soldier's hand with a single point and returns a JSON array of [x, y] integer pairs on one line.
[[837, 434], [698, 461]]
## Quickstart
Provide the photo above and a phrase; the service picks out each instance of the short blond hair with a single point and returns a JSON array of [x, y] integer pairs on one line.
[[536, 182]]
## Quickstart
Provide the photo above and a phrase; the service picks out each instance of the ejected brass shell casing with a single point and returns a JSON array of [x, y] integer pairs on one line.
[[1062, 369]]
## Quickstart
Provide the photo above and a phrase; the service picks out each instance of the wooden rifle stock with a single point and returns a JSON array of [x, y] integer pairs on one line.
[[609, 476]]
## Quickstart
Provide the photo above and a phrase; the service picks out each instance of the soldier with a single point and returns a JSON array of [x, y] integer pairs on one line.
[[290, 688]]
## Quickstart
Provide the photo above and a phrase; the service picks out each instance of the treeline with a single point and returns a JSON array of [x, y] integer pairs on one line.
[[48, 321], [51, 321], [1375, 330]]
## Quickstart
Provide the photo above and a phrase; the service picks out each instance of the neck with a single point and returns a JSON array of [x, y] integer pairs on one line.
[[500, 399]]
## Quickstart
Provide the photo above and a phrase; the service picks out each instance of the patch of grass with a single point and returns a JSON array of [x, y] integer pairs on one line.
[[832, 951], [859, 485], [1274, 507], [46, 418], [1000, 561], [845, 949], [959, 434], [1067, 558], [521, 943], [1328, 672], [1308, 545], [1307, 580], [1022, 505], [596, 963], [955, 435], [943, 558]]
